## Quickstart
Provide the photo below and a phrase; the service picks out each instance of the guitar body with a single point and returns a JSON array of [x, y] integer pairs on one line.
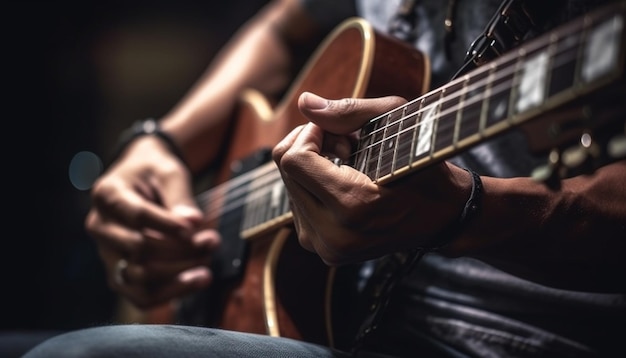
[[282, 289]]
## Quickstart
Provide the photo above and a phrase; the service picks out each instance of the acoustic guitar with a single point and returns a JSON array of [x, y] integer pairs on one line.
[[565, 90]]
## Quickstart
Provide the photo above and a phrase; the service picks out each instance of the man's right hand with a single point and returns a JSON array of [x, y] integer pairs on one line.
[[147, 227]]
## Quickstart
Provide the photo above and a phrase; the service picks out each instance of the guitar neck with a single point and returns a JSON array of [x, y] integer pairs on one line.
[[554, 70], [259, 196]]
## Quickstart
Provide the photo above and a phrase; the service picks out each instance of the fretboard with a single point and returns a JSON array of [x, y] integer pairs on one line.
[[548, 72]]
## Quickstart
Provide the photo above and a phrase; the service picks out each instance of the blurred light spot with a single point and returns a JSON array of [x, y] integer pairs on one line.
[[85, 167]]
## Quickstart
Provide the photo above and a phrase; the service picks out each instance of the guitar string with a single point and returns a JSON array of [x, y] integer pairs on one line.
[[237, 187], [255, 214], [241, 184], [562, 42], [558, 62], [501, 73]]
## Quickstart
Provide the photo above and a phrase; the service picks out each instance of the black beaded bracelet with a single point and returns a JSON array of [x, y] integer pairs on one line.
[[146, 127], [470, 210]]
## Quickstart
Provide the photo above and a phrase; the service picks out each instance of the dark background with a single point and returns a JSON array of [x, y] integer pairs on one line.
[[75, 75]]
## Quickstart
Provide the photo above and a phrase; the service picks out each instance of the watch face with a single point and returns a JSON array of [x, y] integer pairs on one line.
[[147, 126]]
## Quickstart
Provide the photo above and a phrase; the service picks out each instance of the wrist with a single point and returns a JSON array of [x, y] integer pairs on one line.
[[470, 210], [147, 127]]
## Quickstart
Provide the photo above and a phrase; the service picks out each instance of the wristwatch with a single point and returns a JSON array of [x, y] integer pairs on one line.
[[144, 127]]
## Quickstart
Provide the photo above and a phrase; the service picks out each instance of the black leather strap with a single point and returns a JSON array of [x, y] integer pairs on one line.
[[470, 210], [146, 127]]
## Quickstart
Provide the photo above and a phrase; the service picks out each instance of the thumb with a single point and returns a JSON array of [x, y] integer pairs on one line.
[[346, 115], [176, 194]]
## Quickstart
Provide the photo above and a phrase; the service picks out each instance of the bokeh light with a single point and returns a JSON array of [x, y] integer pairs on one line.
[[85, 167]]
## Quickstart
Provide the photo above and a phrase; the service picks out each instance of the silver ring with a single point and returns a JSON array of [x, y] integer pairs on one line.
[[119, 273]]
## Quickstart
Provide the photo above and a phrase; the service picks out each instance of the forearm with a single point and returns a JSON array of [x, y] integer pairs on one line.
[[548, 234], [256, 57]]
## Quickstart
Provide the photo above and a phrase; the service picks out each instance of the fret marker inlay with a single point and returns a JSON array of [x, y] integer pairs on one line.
[[277, 191], [424, 138], [531, 87], [602, 50]]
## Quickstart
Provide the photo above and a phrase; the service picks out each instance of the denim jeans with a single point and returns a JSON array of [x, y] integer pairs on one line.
[[177, 341]]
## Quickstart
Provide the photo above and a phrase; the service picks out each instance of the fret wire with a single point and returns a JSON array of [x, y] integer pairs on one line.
[[562, 61], [247, 217], [364, 154], [250, 212], [260, 206], [371, 159], [395, 147], [370, 147], [259, 198], [551, 49], [285, 208], [468, 123], [519, 65], [587, 23], [414, 128], [485, 107], [264, 205], [500, 91], [382, 143], [459, 112], [390, 147], [436, 121], [251, 209], [449, 117]]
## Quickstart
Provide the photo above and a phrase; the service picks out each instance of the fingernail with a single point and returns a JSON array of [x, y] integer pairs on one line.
[[207, 238], [314, 101], [185, 211], [192, 217], [197, 275]]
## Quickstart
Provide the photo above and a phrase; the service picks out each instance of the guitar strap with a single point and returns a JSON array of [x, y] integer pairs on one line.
[[512, 23]]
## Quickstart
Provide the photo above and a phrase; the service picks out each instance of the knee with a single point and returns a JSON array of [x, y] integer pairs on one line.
[[88, 343]]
